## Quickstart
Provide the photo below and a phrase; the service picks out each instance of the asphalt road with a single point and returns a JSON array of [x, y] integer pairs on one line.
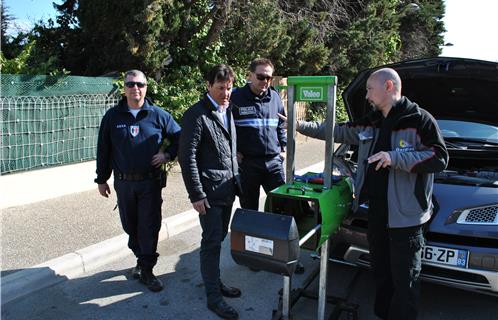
[[109, 293]]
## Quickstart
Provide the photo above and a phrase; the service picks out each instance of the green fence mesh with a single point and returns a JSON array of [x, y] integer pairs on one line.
[[49, 121]]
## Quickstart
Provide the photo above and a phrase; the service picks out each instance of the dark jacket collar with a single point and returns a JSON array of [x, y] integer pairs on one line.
[[400, 109], [249, 94]]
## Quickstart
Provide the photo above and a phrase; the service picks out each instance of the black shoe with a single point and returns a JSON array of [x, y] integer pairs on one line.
[[299, 268], [150, 280], [223, 310], [229, 292], [135, 272]]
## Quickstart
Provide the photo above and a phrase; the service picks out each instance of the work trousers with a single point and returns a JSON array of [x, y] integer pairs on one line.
[[214, 230], [139, 205], [396, 255], [256, 172]]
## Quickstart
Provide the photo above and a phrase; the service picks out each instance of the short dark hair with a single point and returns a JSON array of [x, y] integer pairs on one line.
[[260, 61], [220, 72]]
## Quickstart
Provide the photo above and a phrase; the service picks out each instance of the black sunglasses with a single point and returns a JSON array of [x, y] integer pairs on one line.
[[262, 77], [131, 84]]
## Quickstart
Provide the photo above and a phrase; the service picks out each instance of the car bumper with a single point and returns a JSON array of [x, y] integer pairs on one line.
[[482, 281]]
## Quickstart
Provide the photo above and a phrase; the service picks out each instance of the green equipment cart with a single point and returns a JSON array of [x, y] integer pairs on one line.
[[304, 208]]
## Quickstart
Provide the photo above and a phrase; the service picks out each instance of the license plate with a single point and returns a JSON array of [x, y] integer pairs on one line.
[[447, 256]]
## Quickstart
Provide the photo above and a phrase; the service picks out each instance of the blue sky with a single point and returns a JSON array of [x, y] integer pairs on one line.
[[468, 24], [27, 12]]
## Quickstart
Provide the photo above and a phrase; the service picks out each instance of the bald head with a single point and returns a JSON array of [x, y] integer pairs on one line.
[[383, 89], [387, 74]]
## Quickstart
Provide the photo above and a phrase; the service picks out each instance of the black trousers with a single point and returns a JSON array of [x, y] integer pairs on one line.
[[257, 172], [396, 262], [214, 230], [139, 205]]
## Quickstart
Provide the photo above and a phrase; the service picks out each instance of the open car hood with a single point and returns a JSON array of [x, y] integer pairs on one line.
[[449, 88]]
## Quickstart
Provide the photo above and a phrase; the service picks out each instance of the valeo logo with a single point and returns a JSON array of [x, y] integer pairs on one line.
[[311, 93]]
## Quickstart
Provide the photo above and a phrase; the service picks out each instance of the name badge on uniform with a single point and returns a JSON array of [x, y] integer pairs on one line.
[[365, 135], [243, 111], [134, 130]]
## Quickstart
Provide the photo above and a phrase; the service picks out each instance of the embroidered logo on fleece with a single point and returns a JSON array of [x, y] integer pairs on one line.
[[404, 146]]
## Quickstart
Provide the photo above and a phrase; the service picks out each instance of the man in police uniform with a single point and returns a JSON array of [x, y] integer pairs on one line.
[[130, 145], [261, 135]]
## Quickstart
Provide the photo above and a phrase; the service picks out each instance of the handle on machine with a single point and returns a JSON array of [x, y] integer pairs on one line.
[[303, 189], [297, 189]]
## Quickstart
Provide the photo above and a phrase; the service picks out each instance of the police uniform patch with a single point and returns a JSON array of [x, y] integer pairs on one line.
[[134, 130], [243, 111]]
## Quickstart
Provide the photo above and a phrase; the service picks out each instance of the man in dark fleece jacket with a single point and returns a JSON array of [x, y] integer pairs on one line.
[[400, 147]]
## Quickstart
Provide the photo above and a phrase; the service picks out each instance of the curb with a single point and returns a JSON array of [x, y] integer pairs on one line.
[[76, 263]]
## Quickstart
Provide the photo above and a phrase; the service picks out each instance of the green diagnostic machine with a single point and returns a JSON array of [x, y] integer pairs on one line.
[[302, 213]]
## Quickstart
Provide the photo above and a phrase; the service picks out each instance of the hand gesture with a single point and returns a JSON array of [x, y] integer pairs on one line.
[[383, 158]]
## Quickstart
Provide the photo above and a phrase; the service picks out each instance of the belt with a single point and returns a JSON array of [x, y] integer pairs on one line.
[[136, 176]]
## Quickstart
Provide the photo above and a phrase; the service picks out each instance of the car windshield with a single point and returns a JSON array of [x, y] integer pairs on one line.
[[468, 130]]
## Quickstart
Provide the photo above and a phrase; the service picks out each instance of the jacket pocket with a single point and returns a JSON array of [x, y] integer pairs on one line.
[[214, 174], [216, 183], [402, 194]]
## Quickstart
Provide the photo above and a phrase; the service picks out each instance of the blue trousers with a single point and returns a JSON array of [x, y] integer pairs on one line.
[[396, 262], [139, 205], [257, 172], [214, 230]]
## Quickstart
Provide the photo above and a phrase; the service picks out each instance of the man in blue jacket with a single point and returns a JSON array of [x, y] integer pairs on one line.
[[400, 147], [261, 137], [130, 144]]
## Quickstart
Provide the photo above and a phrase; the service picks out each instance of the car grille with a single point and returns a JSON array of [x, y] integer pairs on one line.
[[483, 215]]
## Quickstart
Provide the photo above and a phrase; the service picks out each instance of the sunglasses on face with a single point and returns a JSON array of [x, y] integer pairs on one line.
[[131, 84], [262, 77]]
